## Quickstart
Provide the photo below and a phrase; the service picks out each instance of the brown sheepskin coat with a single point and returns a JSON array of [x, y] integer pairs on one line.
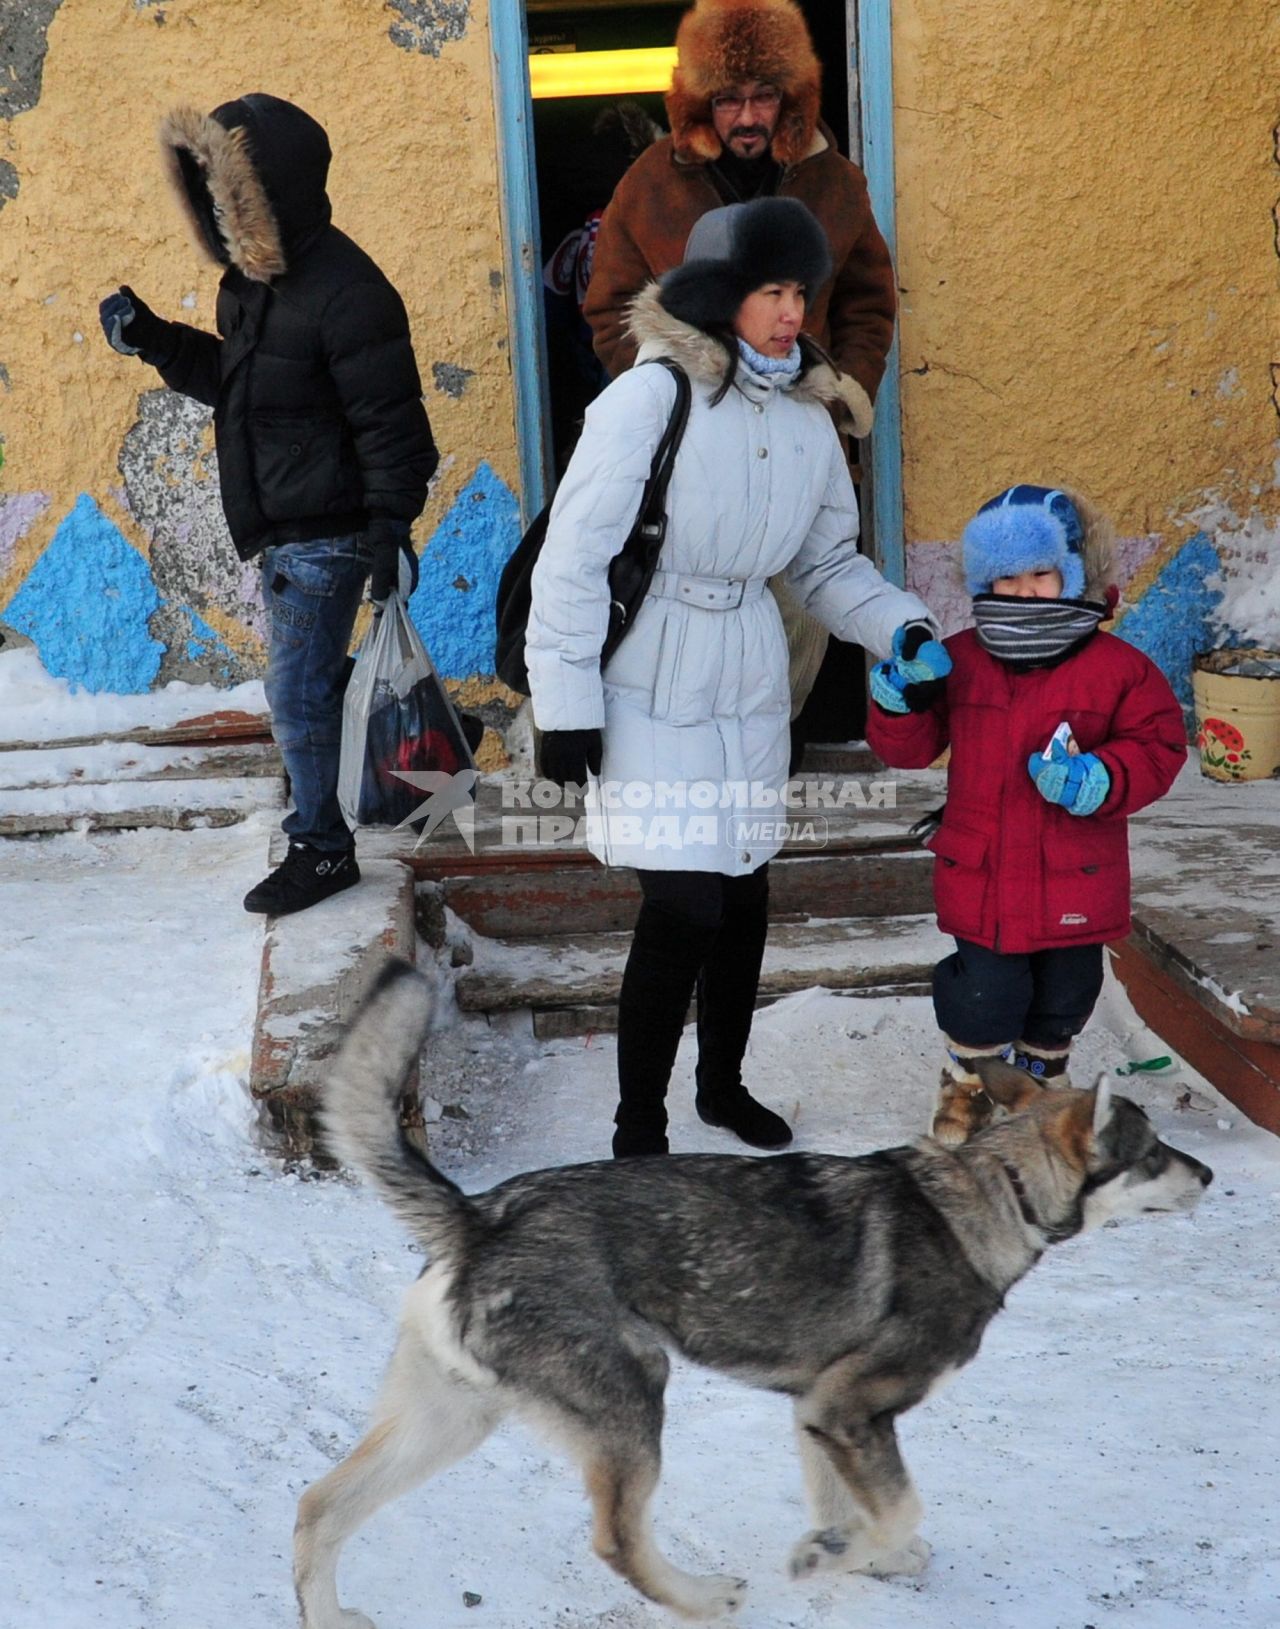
[[644, 230]]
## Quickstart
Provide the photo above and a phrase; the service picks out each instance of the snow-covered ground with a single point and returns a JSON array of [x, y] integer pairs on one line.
[[190, 1334]]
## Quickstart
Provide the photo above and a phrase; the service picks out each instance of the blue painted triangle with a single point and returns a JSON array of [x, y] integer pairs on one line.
[[86, 603]]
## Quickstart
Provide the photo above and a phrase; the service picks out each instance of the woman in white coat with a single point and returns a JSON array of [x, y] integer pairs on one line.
[[683, 739]]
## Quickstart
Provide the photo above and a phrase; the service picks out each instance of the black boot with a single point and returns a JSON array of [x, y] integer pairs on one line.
[[657, 987], [727, 989], [304, 877], [748, 1120]]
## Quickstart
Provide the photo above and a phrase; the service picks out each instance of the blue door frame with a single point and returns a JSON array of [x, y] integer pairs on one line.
[[871, 116], [871, 93], [509, 36]]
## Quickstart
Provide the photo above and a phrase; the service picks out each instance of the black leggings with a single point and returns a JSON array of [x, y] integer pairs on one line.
[[696, 930], [704, 900]]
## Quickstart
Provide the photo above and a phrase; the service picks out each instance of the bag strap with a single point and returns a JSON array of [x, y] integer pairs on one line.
[[650, 529]]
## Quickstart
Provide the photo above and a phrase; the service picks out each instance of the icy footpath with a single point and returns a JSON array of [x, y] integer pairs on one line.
[[191, 1335]]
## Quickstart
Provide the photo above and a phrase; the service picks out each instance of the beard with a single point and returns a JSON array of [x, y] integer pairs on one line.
[[748, 132]]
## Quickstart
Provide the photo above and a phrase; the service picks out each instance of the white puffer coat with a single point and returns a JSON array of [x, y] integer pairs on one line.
[[694, 704]]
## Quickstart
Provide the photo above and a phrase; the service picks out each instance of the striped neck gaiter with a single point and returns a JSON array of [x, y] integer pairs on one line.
[[1034, 633]]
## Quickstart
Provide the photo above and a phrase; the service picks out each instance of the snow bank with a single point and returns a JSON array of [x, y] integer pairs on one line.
[[34, 706], [1249, 582]]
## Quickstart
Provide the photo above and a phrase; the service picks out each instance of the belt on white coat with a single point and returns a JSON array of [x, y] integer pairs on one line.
[[707, 593]]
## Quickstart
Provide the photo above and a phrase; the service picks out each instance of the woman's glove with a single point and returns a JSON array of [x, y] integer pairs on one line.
[[1076, 781], [131, 326], [911, 680], [567, 755]]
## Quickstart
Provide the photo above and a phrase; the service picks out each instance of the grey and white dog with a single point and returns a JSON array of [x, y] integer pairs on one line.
[[853, 1286]]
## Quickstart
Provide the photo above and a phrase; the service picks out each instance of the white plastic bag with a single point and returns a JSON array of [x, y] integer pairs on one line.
[[396, 719]]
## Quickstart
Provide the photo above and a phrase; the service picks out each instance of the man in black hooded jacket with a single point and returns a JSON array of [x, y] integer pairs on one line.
[[324, 449]]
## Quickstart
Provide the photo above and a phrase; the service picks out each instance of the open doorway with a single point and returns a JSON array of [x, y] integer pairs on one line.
[[583, 139]]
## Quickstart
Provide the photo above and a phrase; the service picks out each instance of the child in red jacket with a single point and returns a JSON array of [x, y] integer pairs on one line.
[[1057, 732]]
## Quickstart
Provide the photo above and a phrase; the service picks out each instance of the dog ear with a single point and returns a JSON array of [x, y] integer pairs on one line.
[[1013, 1089], [1101, 1105]]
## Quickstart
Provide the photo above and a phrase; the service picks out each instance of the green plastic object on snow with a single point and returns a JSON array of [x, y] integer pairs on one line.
[[1148, 1067]]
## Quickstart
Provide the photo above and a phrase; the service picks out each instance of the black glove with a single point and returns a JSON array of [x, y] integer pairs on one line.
[[567, 755], [393, 564], [132, 327]]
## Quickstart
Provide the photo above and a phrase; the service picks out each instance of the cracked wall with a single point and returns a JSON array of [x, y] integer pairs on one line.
[[114, 555], [1088, 226], [1088, 229]]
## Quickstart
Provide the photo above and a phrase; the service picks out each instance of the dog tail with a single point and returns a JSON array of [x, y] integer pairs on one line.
[[360, 1112]]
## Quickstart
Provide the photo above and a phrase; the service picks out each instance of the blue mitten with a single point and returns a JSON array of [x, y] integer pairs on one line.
[[1079, 782], [911, 679]]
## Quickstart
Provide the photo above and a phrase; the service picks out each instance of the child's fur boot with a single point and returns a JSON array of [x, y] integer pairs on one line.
[[963, 1107]]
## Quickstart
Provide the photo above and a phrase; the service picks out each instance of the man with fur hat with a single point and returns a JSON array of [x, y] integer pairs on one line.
[[743, 109], [1058, 732], [324, 449]]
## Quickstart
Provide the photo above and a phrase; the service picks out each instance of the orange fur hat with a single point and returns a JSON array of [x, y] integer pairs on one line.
[[727, 42]]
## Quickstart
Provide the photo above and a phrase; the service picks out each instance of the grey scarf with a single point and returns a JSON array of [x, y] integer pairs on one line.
[[1034, 633]]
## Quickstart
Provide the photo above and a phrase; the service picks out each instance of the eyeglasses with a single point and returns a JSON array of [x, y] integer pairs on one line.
[[765, 100]]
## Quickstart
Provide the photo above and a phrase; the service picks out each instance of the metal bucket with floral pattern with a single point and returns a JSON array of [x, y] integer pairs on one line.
[[1237, 697]]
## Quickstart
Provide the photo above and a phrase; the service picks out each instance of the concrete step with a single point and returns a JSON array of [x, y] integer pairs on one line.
[[505, 829], [126, 806], [839, 758], [98, 763], [112, 784], [531, 902], [570, 983], [317, 967], [223, 726]]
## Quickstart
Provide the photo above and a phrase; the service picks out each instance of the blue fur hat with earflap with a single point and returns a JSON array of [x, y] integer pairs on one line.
[[1025, 528]]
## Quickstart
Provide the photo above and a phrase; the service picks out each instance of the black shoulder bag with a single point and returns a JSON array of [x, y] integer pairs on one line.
[[630, 571]]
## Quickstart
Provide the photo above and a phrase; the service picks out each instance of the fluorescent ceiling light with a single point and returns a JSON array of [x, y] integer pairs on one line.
[[600, 73]]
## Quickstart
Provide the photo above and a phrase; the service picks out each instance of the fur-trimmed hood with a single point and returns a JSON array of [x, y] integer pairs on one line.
[[727, 42], [250, 176], [652, 326], [1097, 549]]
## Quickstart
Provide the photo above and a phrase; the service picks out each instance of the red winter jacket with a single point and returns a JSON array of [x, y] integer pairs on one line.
[[1015, 872]]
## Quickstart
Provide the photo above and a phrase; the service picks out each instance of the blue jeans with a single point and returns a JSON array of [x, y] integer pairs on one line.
[[312, 593]]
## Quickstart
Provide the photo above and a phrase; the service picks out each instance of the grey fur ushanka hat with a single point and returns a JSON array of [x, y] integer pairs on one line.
[[734, 250]]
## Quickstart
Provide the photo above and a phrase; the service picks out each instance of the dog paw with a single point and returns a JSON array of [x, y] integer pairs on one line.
[[824, 1547], [711, 1597], [908, 1562]]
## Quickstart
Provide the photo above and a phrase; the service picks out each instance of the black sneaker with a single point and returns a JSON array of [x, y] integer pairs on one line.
[[748, 1120], [305, 877]]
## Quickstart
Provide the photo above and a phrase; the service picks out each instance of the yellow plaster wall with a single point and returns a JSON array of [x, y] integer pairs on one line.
[[1088, 253], [414, 180]]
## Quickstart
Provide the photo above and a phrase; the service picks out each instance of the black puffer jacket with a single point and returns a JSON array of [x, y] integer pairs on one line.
[[317, 403]]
